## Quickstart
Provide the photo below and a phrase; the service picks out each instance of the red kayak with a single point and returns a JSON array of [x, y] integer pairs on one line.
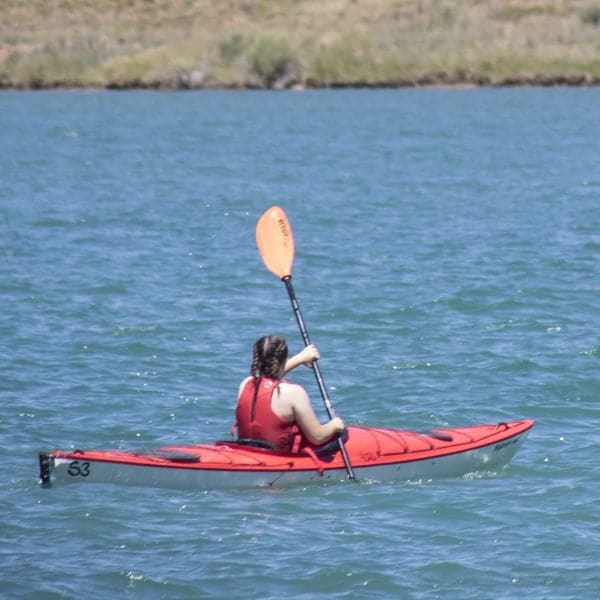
[[376, 455]]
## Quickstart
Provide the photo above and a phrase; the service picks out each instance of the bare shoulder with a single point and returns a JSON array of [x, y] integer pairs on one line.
[[288, 387], [243, 384], [295, 394]]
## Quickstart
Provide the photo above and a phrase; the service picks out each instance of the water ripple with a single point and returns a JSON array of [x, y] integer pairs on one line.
[[447, 267]]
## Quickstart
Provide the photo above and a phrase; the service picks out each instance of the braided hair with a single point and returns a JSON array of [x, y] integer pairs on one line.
[[268, 356]]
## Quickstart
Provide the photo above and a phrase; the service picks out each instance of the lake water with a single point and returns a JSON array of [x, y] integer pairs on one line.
[[447, 266]]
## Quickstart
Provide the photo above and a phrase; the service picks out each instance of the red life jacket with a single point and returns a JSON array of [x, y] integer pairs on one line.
[[264, 424]]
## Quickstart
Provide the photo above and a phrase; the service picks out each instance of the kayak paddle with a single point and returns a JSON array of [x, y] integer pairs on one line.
[[276, 246]]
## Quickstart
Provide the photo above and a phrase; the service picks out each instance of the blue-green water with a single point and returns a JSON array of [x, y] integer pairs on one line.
[[447, 265]]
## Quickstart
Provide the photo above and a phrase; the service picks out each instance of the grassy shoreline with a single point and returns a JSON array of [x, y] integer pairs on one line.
[[282, 44]]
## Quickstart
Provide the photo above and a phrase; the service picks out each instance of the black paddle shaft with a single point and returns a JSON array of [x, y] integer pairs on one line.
[[328, 406]]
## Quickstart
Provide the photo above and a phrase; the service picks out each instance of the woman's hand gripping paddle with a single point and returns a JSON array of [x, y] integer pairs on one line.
[[276, 246]]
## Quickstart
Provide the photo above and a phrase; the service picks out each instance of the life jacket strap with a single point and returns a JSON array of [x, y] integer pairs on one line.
[[315, 459]]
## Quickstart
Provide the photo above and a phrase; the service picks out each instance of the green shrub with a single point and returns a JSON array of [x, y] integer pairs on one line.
[[591, 15], [233, 47], [272, 58], [349, 58]]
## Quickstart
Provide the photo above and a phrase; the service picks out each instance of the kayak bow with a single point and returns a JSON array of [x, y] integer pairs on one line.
[[377, 454]]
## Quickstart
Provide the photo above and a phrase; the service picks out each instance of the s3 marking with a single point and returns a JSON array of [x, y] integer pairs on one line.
[[78, 468]]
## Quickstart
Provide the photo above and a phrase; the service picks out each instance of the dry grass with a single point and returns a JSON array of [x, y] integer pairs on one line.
[[284, 43]]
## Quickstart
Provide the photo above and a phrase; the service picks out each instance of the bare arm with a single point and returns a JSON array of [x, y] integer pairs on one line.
[[307, 420], [305, 357]]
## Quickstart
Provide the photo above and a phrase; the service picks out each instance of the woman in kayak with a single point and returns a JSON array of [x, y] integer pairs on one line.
[[274, 410]]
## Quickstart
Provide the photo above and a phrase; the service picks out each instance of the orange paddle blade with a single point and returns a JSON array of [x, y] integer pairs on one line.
[[275, 242]]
